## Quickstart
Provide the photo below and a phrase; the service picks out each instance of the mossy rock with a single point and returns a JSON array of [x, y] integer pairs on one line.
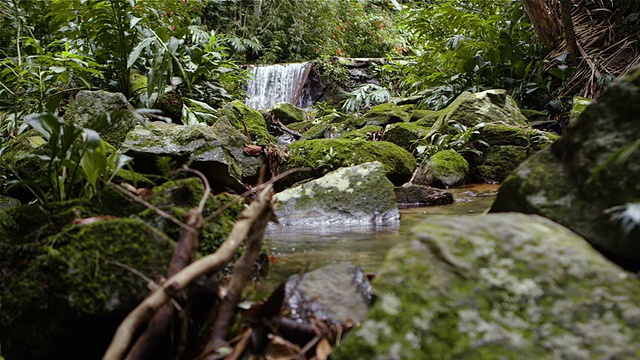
[[387, 113], [579, 106], [171, 105], [499, 162], [405, 135], [444, 169], [89, 108], [534, 115], [577, 179], [420, 114], [333, 126], [21, 158], [8, 202], [360, 194], [501, 286], [286, 112], [500, 134], [468, 109], [362, 133], [244, 118], [326, 155]]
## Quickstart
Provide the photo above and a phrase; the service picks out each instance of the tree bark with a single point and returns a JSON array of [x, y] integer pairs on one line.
[[543, 23], [569, 32]]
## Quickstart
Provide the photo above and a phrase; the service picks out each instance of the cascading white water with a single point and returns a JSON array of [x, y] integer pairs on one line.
[[272, 84]]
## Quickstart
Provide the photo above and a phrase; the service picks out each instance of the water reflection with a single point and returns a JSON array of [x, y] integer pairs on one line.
[[296, 250]]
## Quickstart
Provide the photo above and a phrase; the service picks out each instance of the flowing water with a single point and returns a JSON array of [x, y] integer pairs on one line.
[[296, 250], [272, 84]]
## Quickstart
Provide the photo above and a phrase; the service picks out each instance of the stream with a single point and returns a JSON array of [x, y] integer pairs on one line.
[[295, 250]]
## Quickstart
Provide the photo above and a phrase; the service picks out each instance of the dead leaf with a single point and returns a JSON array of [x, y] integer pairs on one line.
[[253, 150], [323, 349]]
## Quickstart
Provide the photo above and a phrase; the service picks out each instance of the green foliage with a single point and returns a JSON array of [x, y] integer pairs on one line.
[[77, 160], [462, 139], [474, 45], [365, 96]]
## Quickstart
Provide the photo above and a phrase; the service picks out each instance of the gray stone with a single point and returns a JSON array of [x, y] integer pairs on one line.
[[418, 195], [360, 194], [339, 294], [89, 108], [216, 150], [578, 182], [499, 286]]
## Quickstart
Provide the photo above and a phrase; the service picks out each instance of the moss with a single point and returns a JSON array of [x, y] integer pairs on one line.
[[332, 126], [8, 202], [579, 106], [286, 113], [171, 105], [405, 135], [388, 113], [418, 114], [329, 154], [362, 134], [534, 115], [241, 115], [444, 169], [499, 162]]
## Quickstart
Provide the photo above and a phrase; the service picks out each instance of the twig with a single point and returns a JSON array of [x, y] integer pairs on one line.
[[160, 212], [260, 208], [282, 127], [207, 188], [240, 278]]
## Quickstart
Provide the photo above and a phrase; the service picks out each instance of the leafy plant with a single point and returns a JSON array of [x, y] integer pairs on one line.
[[76, 162], [365, 96], [460, 138]]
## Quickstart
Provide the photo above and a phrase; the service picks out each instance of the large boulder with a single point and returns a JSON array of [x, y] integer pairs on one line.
[[443, 169], [217, 151], [470, 109], [387, 113], [499, 162], [89, 108], [325, 155], [405, 135], [360, 194], [589, 179], [499, 286]]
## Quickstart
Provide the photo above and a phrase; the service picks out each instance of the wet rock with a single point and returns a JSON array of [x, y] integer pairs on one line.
[[499, 286], [339, 294], [578, 182], [286, 113], [325, 155], [444, 169], [216, 150], [418, 195], [360, 194], [499, 162], [89, 108]]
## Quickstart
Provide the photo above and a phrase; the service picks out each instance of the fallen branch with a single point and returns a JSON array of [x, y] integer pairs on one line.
[[261, 208], [277, 123], [239, 280]]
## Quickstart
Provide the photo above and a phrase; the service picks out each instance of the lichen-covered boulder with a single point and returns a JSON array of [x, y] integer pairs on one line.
[[360, 194], [499, 286], [88, 110], [491, 106], [387, 113], [246, 119], [325, 155], [217, 151], [444, 169], [418, 195], [405, 135], [339, 294], [581, 181], [498, 163], [286, 113]]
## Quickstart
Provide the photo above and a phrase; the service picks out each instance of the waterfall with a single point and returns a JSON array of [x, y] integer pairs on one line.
[[272, 84]]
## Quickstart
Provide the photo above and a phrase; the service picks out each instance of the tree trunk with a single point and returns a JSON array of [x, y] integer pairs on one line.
[[543, 23], [569, 32]]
